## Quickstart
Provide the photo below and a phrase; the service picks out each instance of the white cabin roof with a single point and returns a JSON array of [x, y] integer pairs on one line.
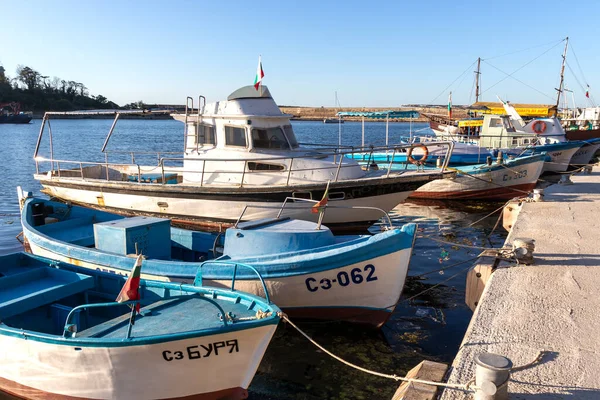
[[243, 103]]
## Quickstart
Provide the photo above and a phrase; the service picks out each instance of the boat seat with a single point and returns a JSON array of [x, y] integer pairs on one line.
[[109, 325], [38, 287], [260, 223], [153, 178], [78, 231]]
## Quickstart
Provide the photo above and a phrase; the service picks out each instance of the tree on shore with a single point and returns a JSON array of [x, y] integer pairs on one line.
[[37, 92]]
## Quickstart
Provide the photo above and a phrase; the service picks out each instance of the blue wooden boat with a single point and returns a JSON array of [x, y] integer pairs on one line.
[[62, 335], [309, 272]]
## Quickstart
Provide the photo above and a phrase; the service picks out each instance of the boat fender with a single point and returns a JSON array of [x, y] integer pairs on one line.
[[539, 127], [422, 160]]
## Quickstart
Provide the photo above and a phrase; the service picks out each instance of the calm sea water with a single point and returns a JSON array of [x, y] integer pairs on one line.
[[428, 327]]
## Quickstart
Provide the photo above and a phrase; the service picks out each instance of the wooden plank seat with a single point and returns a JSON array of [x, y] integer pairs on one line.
[[37, 287], [78, 231], [105, 327]]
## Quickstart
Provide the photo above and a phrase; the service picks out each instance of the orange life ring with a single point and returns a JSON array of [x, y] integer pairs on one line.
[[421, 160], [539, 127]]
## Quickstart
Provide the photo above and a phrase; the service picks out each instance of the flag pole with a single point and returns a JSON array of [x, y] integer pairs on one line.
[[322, 210]]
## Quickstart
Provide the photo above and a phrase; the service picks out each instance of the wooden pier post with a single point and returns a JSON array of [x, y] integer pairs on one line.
[[426, 370]]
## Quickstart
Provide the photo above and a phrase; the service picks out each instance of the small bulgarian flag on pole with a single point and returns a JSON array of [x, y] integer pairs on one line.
[[259, 74], [130, 290], [587, 92], [450, 105], [319, 206]]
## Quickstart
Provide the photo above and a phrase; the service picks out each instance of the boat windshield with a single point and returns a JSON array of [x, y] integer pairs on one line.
[[269, 138], [291, 137]]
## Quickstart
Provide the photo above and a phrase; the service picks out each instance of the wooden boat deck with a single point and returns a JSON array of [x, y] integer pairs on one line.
[[170, 316]]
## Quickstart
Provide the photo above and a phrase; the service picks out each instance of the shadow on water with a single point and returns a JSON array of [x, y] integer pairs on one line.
[[429, 326]]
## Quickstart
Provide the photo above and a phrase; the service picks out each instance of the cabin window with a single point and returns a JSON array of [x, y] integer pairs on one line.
[[258, 166], [269, 138], [205, 135], [235, 136], [496, 123], [291, 137]]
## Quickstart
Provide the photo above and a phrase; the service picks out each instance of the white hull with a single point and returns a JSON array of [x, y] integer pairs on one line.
[[584, 154], [38, 369], [497, 184], [560, 160], [219, 210]]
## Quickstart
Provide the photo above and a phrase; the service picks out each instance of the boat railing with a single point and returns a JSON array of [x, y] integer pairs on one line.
[[166, 168], [293, 200], [133, 154], [235, 265]]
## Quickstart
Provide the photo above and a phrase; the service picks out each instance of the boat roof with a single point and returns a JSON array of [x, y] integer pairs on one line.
[[380, 114], [250, 92]]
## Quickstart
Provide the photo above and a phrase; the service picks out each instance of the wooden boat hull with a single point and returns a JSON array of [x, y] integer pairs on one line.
[[584, 154], [582, 134], [362, 292], [217, 206], [37, 369], [496, 182]]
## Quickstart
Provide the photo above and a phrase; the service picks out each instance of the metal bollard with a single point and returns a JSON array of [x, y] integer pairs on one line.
[[565, 180], [492, 373], [538, 195], [523, 249]]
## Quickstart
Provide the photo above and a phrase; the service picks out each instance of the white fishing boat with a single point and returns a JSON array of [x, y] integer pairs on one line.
[[501, 180], [70, 333], [238, 152]]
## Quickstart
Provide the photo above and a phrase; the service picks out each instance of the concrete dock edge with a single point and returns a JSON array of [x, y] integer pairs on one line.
[[545, 317]]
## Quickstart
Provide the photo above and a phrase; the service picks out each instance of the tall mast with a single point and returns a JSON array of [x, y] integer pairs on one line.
[[562, 76], [477, 73]]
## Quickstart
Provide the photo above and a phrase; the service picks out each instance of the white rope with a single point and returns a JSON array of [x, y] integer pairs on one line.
[[459, 386]]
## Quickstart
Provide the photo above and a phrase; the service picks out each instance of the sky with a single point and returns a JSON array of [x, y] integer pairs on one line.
[[380, 54]]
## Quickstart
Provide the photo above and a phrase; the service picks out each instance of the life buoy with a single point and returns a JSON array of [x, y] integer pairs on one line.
[[539, 127], [421, 160]]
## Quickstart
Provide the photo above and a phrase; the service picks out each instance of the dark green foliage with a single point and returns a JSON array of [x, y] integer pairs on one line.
[[37, 92]]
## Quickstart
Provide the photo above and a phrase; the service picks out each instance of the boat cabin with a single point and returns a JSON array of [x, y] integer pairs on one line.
[[250, 133], [502, 131]]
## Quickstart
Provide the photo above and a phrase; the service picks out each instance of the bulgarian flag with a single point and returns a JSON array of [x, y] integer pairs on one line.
[[130, 291], [259, 74], [587, 92], [323, 202], [450, 105]]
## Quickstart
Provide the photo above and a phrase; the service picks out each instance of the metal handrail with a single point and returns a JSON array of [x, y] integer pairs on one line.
[[198, 279], [296, 199], [338, 162]]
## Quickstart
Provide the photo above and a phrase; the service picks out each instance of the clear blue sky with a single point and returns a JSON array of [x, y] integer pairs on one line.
[[371, 53]]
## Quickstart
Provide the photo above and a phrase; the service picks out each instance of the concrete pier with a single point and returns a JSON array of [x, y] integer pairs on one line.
[[551, 307]]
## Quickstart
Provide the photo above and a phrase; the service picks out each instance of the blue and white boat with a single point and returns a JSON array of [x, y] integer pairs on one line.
[[309, 272], [63, 335]]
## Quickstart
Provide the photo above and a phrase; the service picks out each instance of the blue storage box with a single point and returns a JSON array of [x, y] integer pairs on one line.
[[152, 236]]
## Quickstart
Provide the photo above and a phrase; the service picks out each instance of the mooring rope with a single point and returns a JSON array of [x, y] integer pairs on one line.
[[396, 378]]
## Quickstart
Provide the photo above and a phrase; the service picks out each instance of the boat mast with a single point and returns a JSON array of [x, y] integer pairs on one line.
[[562, 76], [477, 73]]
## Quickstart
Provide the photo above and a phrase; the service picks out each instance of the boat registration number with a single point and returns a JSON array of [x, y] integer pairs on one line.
[[202, 351], [356, 276], [515, 175]]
